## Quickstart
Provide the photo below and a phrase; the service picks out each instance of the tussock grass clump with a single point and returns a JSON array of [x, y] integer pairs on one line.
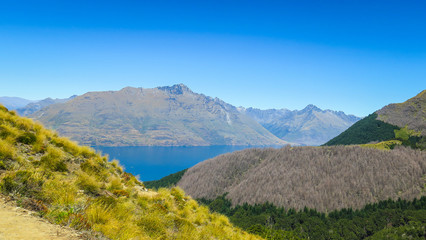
[[54, 160], [74, 186], [7, 150]]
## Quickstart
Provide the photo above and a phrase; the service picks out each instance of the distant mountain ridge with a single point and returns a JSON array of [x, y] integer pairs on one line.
[[12, 103], [309, 126], [33, 107], [163, 116]]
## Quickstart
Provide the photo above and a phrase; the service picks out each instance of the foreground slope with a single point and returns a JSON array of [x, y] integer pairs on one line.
[[74, 186], [163, 116], [310, 126], [381, 125], [322, 178]]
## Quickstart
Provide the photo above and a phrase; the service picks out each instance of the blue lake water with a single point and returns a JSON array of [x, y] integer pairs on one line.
[[153, 163]]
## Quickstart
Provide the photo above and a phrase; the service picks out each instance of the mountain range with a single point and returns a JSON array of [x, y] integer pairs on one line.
[[34, 106], [175, 116], [162, 116], [309, 126]]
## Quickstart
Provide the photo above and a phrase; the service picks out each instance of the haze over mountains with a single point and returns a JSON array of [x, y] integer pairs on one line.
[[163, 116], [14, 102], [309, 126], [33, 107]]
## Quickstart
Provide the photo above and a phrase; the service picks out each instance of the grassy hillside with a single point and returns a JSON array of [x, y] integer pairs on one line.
[[322, 178], [384, 124], [74, 186], [411, 113], [163, 116], [366, 130]]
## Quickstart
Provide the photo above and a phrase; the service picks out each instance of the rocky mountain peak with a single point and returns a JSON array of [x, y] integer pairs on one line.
[[177, 89], [310, 108]]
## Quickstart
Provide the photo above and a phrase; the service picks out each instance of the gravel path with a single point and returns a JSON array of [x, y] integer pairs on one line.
[[17, 223]]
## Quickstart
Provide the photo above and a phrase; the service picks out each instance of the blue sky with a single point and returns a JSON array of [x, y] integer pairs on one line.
[[354, 56]]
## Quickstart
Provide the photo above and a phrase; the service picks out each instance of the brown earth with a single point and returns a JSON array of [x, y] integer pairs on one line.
[[20, 224]]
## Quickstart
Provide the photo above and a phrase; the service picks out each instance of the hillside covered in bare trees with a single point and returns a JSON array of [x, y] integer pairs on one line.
[[323, 178]]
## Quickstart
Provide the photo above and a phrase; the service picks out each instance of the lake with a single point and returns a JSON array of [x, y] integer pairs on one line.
[[153, 163]]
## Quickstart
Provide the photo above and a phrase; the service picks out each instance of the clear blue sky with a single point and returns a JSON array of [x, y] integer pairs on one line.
[[355, 56]]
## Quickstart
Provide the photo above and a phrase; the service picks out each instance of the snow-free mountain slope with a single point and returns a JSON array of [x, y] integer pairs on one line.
[[35, 106], [309, 126], [163, 116], [381, 125]]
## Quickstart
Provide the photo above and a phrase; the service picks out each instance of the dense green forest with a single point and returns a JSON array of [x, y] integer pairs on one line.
[[388, 219], [366, 130], [165, 182]]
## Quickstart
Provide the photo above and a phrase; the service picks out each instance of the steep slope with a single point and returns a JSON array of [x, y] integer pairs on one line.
[[163, 116], [35, 106], [381, 125], [14, 102], [411, 113], [74, 186], [310, 126], [323, 178], [366, 130]]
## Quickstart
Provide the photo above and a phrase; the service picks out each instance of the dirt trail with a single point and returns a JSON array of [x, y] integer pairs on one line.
[[19, 224]]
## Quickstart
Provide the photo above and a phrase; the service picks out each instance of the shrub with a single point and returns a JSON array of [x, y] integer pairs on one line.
[[8, 131], [25, 124], [27, 138], [7, 150], [115, 184], [54, 160], [3, 108], [2, 165], [24, 183], [59, 191], [88, 183]]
